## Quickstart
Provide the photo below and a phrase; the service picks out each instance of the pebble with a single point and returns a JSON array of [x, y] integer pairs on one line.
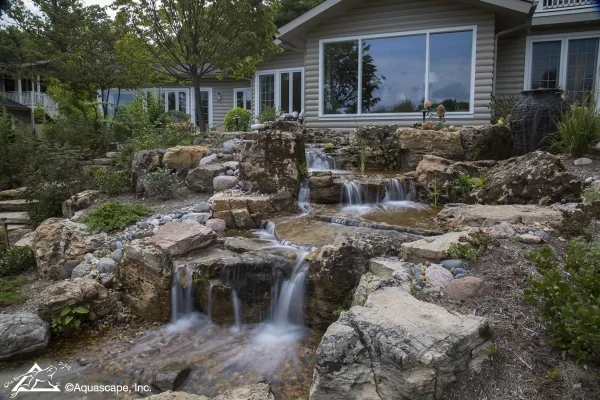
[[155, 222], [202, 207], [543, 235], [118, 245], [453, 264], [222, 174], [89, 257], [117, 255], [142, 225], [229, 172], [165, 220], [155, 230], [459, 271], [241, 185], [82, 361], [129, 236]]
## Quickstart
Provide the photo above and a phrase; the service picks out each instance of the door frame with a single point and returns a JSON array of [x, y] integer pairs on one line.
[[277, 73], [246, 99]]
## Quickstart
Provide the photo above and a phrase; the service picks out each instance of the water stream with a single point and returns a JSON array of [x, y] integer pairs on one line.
[[318, 160]]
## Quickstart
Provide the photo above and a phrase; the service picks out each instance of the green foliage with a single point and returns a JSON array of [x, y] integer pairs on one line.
[[292, 9], [433, 192], [578, 130], [552, 374], [108, 181], [160, 183], [115, 216], [13, 153], [10, 291], [69, 320], [241, 124], [337, 312], [269, 114], [463, 186], [493, 351], [463, 252], [501, 107], [329, 148], [143, 117], [568, 297], [591, 195], [14, 260]]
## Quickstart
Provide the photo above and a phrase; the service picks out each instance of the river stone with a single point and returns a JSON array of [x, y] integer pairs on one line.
[[217, 225], [452, 265], [200, 179], [78, 202], [222, 183], [117, 255], [183, 157], [478, 215], [208, 159], [465, 288], [395, 347], [57, 241], [171, 376], [178, 239], [198, 217], [22, 334], [386, 266], [432, 249], [106, 265], [82, 270], [529, 238], [417, 143], [583, 161], [438, 277], [503, 230], [145, 273], [203, 207], [231, 165]]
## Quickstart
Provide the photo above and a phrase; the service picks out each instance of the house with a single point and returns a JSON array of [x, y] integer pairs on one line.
[[20, 96], [349, 63]]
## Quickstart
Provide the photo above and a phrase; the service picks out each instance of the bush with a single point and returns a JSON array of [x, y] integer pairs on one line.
[[569, 298], [110, 182], [329, 148], [159, 183], [475, 246], [69, 320], [115, 216], [242, 123], [9, 291], [501, 107], [269, 114], [578, 130], [13, 153], [15, 260], [463, 186]]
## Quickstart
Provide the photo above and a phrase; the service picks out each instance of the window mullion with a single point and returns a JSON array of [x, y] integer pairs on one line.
[[427, 67], [564, 56], [360, 77], [291, 93]]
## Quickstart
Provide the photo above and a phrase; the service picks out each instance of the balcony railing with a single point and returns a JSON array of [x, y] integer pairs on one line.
[[33, 99], [556, 5]]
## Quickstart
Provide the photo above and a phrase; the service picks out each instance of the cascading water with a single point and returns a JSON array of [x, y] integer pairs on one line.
[[182, 303], [209, 310], [237, 310], [399, 190], [353, 194], [304, 197], [317, 160]]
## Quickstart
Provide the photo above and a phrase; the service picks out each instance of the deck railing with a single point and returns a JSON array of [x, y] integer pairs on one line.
[[552, 5], [34, 99]]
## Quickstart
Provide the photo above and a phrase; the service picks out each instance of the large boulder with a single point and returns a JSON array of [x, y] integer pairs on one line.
[[259, 390], [177, 238], [145, 273], [200, 179], [431, 249], [324, 188], [22, 334], [443, 171], [224, 182], [61, 244], [336, 269], [78, 202], [535, 178], [144, 161], [184, 157], [396, 347], [273, 161], [416, 143], [478, 215], [385, 150], [79, 292], [486, 142]]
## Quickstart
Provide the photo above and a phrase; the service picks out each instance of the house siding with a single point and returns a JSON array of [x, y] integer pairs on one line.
[[225, 87], [388, 16]]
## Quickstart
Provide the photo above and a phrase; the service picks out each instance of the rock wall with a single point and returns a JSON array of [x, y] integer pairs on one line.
[[273, 161], [416, 143], [385, 152]]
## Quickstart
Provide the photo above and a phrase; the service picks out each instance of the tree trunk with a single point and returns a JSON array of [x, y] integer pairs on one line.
[[198, 97]]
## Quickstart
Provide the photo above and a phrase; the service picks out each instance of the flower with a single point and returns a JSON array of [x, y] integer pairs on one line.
[[427, 104], [441, 111]]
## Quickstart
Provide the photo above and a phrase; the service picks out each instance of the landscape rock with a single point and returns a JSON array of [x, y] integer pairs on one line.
[[78, 202], [231, 164], [22, 334], [259, 390], [200, 179], [583, 161], [57, 243], [433, 249], [202, 207], [217, 225], [438, 277], [177, 238], [177, 396], [452, 265], [82, 270], [222, 183], [465, 288], [324, 189], [171, 376], [145, 273], [529, 238], [243, 245], [25, 241], [208, 159], [478, 215], [184, 157], [486, 142], [417, 143], [144, 161], [502, 230], [106, 265], [377, 352], [198, 217], [386, 152]]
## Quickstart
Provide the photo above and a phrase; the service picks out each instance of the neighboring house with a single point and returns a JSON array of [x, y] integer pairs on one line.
[[20, 97]]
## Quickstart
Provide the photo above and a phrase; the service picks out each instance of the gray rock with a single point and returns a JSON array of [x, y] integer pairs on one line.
[[117, 255], [165, 219], [478, 215], [106, 265], [89, 257], [596, 184], [217, 225], [208, 159], [582, 161], [180, 239], [503, 230], [155, 222], [589, 180], [171, 376], [231, 165], [198, 217], [229, 146], [229, 173], [202, 207], [155, 231], [22, 334], [452, 265], [190, 222], [222, 183], [433, 249], [438, 277], [529, 238], [67, 269], [82, 270], [201, 179], [119, 245], [142, 225], [543, 235]]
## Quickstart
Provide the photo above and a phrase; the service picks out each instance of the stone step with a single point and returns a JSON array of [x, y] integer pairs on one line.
[[13, 194], [15, 217], [13, 205], [17, 226]]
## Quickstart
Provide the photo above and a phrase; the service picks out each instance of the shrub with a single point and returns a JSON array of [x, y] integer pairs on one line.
[[110, 182], [329, 147], [9, 291], [269, 114], [241, 124], [463, 252], [578, 130], [13, 153], [501, 107], [159, 183], [115, 216], [14, 260], [463, 186], [569, 298], [69, 320]]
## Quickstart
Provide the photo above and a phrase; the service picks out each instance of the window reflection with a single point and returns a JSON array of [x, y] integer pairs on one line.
[[340, 78]]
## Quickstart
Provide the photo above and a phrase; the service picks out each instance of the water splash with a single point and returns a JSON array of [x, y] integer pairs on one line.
[[317, 160], [399, 190], [237, 310], [353, 194], [304, 197], [182, 302]]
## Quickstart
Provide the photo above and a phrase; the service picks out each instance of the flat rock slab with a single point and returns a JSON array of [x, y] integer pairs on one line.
[[12, 194], [178, 238], [15, 217], [243, 245], [386, 266], [22, 334], [13, 205], [432, 249], [477, 215]]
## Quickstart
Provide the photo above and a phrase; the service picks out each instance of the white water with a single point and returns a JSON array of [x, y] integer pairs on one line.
[[395, 190], [237, 310], [182, 303], [304, 197], [353, 194], [317, 160], [209, 311]]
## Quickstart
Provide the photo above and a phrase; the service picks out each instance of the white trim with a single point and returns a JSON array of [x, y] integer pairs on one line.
[[427, 33], [564, 39], [277, 73], [387, 116], [236, 90]]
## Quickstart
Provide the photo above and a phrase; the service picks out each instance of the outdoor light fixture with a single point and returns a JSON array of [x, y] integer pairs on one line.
[[218, 96]]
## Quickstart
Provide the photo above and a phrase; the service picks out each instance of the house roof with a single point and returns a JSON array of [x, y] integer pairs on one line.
[[12, 105], [331, 8]]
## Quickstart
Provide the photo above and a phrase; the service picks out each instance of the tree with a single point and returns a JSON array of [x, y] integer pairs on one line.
[[292, 9], [189, 39]]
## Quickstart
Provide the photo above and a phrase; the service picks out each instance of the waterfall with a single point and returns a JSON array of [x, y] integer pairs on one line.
[[317, 160], [399, 190], [209, 310], [182, 302], [237, 310], [304, 197], [288, 303], [353, 194]]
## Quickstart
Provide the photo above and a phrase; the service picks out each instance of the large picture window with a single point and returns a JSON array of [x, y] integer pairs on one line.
[[395, 74]]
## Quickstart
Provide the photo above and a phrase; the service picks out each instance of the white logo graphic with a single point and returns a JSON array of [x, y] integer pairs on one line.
[[36, 380]]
